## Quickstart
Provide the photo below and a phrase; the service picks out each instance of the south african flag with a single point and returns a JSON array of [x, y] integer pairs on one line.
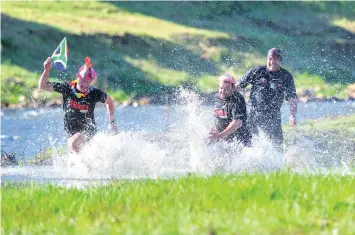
[[60, 56]]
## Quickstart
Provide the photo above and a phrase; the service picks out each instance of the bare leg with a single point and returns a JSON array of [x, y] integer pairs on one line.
[[76, 142]]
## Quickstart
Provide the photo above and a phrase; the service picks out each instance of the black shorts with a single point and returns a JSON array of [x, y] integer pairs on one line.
[[85, 128]]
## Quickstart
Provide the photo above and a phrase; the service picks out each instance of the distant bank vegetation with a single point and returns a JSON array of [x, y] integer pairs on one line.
[[145, 49]]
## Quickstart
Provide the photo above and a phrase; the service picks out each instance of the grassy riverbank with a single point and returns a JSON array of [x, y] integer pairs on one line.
[[327, 139], [277, 203], [146, 49]]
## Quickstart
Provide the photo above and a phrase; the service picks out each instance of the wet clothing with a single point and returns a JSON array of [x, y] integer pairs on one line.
[[269, 90], [269, 123], [79, 112], [229, 109]]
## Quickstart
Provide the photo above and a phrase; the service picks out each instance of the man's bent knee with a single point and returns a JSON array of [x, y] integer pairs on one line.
[[76, 142]]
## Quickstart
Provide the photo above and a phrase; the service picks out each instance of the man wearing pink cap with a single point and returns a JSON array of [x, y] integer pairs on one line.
[[79, 100], [230, 114], [271, 84]]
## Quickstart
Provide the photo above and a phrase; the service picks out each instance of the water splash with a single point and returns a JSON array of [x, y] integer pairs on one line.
[[182, 149]]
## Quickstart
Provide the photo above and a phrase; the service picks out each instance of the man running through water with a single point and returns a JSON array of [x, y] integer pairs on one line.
[[79, 100], [271, 84], [230, 114]]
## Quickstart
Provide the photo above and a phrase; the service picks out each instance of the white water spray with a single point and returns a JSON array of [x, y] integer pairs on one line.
[[182, 149]]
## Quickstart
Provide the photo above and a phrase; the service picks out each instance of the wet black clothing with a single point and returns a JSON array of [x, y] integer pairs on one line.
[[229, 109], [269, 90], [79, 112]]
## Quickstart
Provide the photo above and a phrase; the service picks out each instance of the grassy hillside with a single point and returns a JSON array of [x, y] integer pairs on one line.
[[141, 48]]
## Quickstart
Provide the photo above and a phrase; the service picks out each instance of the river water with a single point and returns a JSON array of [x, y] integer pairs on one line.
[[154, 141]]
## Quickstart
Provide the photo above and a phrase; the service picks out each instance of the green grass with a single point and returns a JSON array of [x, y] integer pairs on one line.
[[12, 87], [140, 48], [345, 124], [19, 84], [276, 203], [318, 87]]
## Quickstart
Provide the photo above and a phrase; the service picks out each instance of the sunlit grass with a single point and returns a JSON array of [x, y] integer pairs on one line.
[[249, 204], [90, 18], [13, 86], [157, 73], [318, 87], [342, 124], [208, 83], [345, 24]]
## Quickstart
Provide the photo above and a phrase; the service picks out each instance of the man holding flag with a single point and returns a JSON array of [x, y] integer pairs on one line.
[[79, 100]]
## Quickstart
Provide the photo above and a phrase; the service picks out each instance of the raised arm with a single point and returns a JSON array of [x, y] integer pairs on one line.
[[44, 84]]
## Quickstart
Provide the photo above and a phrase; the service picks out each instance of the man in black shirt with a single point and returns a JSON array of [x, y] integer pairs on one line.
[[271, 84], [230, 113], [79, 100]]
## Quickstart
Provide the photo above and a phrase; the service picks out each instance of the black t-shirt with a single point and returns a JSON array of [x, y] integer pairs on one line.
[[229, 109], [79, 112], [269, 89]]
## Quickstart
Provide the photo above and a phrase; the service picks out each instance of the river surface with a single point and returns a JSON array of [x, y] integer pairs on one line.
[[154, 141], [28, 131]]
